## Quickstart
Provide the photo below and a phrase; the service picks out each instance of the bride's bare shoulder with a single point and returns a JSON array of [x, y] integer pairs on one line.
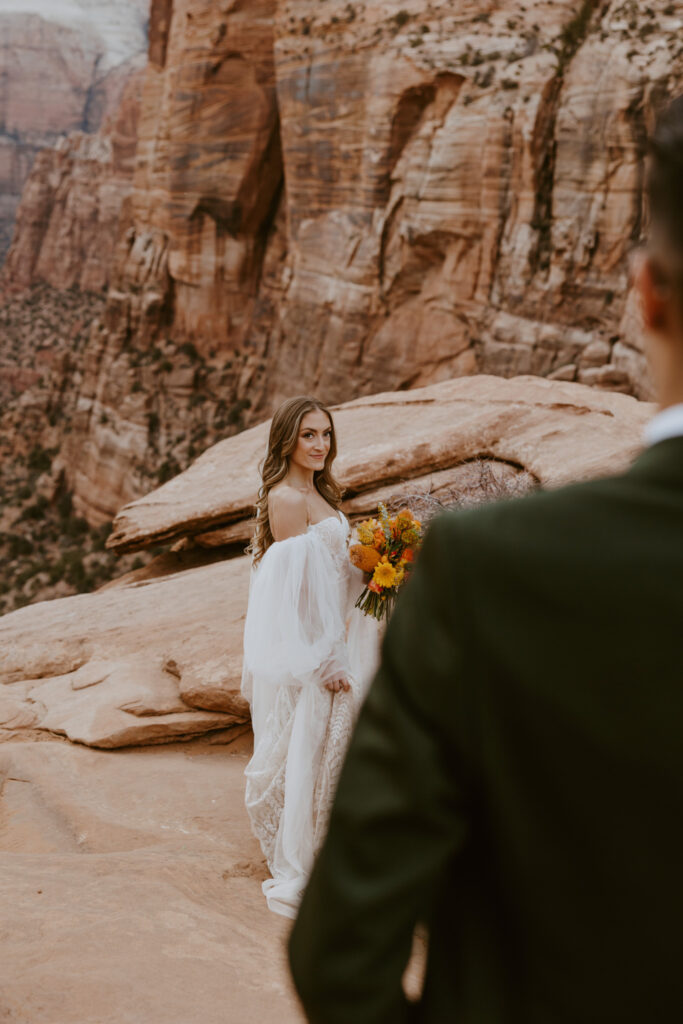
[[287, 511], [284, 496]]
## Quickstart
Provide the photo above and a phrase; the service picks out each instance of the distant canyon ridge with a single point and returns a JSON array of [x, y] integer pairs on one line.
[[63, 66], [340, 198]]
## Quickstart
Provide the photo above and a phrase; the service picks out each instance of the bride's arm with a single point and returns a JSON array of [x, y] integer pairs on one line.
[[294, 629], [288, 514]]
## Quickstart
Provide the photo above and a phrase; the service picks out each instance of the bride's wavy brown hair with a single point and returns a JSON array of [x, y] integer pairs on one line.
[[282, 440]]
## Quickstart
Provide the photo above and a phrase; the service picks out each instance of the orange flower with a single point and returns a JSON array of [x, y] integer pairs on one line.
[[374, 586], [408, 555], [364, 557]]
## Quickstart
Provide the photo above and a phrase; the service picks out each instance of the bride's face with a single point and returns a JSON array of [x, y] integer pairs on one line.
[[313, 446]]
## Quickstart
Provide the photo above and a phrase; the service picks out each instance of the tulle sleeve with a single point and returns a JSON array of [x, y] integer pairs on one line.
[[294, 633]]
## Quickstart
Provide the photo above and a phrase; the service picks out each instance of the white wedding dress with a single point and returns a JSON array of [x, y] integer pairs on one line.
[[302, 629]]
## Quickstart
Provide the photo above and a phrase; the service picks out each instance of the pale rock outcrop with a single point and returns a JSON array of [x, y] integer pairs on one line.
[[407, 441], [137, 662], [213, 685]]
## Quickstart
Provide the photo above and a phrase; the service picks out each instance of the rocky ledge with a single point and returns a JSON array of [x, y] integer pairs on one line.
[[418, 441], [155, 656]]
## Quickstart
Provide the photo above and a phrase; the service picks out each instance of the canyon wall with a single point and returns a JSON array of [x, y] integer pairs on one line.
[[63, 68], [349, 197], [67, 223], [463, 188]]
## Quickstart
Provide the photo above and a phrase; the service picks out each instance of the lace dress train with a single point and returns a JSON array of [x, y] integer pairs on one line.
[[301, 630]]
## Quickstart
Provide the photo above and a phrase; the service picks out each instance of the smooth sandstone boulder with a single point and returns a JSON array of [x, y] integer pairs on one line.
[[390, 443], [139, 662]]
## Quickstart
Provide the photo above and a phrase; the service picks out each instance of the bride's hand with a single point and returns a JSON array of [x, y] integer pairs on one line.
[[337, 683]]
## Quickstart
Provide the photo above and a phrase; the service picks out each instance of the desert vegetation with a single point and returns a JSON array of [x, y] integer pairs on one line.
[[47, 550], [182, 399]]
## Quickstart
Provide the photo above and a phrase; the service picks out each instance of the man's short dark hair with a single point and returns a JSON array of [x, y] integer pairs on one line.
[[665, 185]]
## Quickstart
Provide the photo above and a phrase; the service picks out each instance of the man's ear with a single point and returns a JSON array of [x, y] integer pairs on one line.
[[654, 293]]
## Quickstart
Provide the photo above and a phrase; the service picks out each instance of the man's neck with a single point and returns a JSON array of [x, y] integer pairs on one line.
[[669, 378]]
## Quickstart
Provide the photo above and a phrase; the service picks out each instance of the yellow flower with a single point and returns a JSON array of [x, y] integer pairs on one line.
[[365, 534], [384, 574]]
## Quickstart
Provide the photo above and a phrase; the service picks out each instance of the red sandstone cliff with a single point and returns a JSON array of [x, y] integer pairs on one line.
[[356, 196], [67, 223], [62, 67], [459, 191]]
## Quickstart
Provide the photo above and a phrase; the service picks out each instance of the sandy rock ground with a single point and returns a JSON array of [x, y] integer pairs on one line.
[[130, 885]]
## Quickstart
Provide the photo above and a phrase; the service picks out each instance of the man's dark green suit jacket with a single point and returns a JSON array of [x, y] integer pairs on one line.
[[515, 780]]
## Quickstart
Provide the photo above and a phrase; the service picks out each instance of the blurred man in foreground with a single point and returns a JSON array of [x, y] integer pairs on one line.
[[515, 781]]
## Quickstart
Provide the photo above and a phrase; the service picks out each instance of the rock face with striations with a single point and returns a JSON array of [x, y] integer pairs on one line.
[[67, 224], [63, 68], [463, 185], [209, 174], [347, 197], [460, 189]]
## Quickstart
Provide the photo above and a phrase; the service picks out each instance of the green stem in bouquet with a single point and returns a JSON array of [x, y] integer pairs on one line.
[[374, 604]]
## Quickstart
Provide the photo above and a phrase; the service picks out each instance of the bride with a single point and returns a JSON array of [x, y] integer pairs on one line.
[[308, 654]]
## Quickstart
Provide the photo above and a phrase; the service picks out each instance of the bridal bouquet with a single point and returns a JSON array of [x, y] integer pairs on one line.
[[386, 550]]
